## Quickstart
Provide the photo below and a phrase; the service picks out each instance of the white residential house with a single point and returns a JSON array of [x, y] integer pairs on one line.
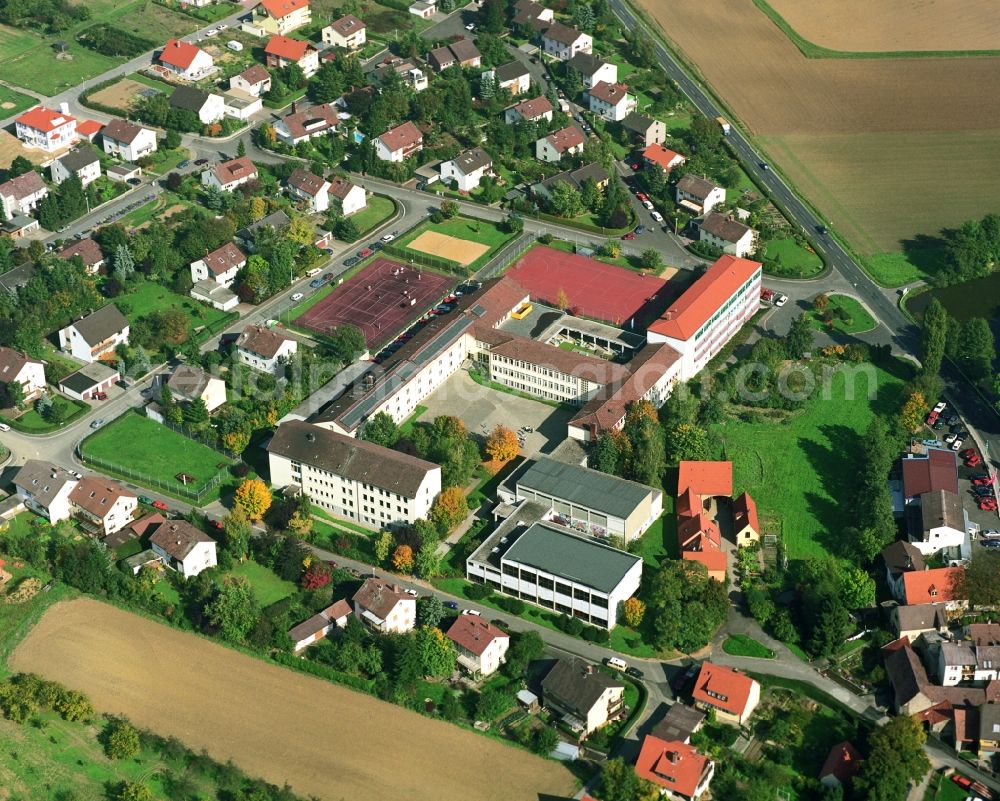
[[265, 349], [83, 163], [425, 9], [301, 126], [95, 335], [724, 232], [183, 548], [22, 195], [128, 141], [102, 505], [593, 69], [281, 16], [282, 51], [240, 105], [385, 607], [481, 646], [555, 145], [185, 60], [467, 169], [538, 108], [348, 32], [16, 367], [221, 265], [611, 101], [351, 478], [585, 698], [46, 129], [45, 489], [512, 77], [313, 190], [699, 195], [253, 80], [228, 175], [346, 197], [207, 106], [399, 143], [188, 383], [215, 295], [564, 42]]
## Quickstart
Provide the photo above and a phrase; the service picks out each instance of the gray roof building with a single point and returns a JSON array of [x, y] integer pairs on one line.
[[510, 71], [586, 63], [696, 186], [919, 617], [680, 722], [277, 220], [43, 480], [724, 228], [989, 722], [188, 381], [576, 685], [177, 538], [101, 324], [189, 98], [901, 557], [14, 279], [351, 458], [81, 157], [88, 377]]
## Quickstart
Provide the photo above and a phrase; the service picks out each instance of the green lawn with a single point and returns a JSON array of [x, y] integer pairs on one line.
[[856, 318], [788, 258], [741, 645], [151, 297], [31, 422], [894, 269], [802, 472], [379, 209], [462, 228], [12, 102], [27, 58], [266, 585], [157, 454]]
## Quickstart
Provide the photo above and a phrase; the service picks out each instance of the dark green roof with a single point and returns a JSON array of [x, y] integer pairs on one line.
[[573, 558], [582, 486]]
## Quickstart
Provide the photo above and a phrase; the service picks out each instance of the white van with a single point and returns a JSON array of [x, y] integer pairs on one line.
[[616, 663], [313, 272]]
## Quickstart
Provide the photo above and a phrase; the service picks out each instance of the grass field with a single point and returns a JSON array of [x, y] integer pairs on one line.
[[801, 470], [271, 722], [742, 645], [480, 231], [149, 297], [135, 442], [12, 102], [858, 318], [378, 210], [31, 422], [28, 58], [791, 259], [833, 126], [266, 585]]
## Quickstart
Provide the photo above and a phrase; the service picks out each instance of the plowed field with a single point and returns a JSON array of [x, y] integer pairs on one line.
[[322, 739], [915, 139]]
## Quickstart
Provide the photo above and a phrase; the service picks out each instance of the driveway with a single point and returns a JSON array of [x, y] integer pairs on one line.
[[453, 25], [482, 409]]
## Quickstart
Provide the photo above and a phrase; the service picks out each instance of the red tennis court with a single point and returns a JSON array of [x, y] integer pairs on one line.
[[593, 288], [383, 300]]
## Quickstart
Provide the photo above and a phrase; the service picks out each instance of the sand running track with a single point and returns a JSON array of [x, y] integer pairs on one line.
[[280, 725], [843, 128]]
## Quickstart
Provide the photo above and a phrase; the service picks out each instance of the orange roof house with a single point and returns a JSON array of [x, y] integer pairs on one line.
[[713, 560], [286, 48], [733, 695], [746, 526], [662, 157], [676, 767], [931, 586], [179, 54], [282, 8], [43, 119], [706, 479]]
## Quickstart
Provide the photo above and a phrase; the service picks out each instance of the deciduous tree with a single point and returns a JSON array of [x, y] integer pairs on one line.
[[254, 498], [235, 609], [121, 740], [933, 336], [896, 758], [381, 429], [450, 508], [402, 558], [912, 414], [633, 610], [383, 545], [502, 444], [437, 652], [236, 529]]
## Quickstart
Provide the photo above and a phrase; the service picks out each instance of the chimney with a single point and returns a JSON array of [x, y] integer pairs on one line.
[[64, 108], [674, 757], [295, 107]]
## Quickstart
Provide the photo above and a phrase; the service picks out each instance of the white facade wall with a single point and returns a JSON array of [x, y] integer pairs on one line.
[[273, 365], [143, 144], [355, 201], [25, 205], [401, 618], [59, 507], [607, 73], [213, 110], [73, 343], [87, 175], [116, 518], [466, 182], [31, 378], [742, 248], [352, 41], [715, 198], [201, 557], [59, 137], [545, 382], [200, 271], [318, 203], [564, 52]]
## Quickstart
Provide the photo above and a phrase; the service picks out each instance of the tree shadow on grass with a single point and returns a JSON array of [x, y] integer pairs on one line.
[[836, 466], [926, 252]]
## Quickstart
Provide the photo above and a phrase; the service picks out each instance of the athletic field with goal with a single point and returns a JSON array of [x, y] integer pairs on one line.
[[382, 300]]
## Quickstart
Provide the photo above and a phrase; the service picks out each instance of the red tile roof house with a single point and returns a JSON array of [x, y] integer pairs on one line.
[[938, 585], [313, 190], [733, 695], [102, 506], [185, 60], [319, 625], [698, 536], [399, 143], [281, 16], [840, 766], [345, 197], [88, 251], [46, 129], [677, 768], [537, 108], [301, 126], [611, 101], [230, 174], [385, 607], [221, 265], [128, 141], [348, 32], [253, 80], [282, 51], [662, 157], [553, 146], [481, 646], [746, 526]]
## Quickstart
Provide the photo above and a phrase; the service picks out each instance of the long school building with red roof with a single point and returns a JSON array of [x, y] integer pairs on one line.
[[709, 314]]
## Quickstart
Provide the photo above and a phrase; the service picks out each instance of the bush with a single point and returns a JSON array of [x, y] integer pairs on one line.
[[113, 41], [546, 239], [240, 469], [479, 592]]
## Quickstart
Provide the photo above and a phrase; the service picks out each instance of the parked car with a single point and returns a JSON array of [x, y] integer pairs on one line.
[[940, 406], [297, 296], [656, 216], [183, 164], [950, 438], [200, 162], [648, 204], [327, 276], [471, 26], [146, 500], [956, 444], [364, 253], [629, 236], [451, 604], [100, 396], [471, 612], [161, 506], [639, 229], [375, 246], [388, 237], [642, 196], [780, 300], [4, 427], [968, 452], [350, 262], [681, 680], [316, 283], [973, 461], [134, 182], [634, 672], [932, 418], [97, 423]]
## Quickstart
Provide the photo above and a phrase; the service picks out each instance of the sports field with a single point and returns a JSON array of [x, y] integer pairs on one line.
[[452, 248], [863, 138], [322, 739], [588, 283], [382, 300]]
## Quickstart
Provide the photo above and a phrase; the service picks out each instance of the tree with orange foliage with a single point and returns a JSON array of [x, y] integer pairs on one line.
[[402, 559], [633, 610], [913, 411], [449, 509], [254, 498], [502, 444]]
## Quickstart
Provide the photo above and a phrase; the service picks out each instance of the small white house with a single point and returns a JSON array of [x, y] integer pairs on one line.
[[481, 646], [128, 141], [46, 129], [183, 547], [103, 506], [185, 60], [45, 489], [215, 295], [241, 105], [313, 190], [319, 625], [513, 77], [564, 42], [554, 146], [611, 101], [538, 108], [17, 367], [425, 9], [282, 51], [732, 236], [399, 143], [89, 382], [593, 70], [98, 333], [83, 163], [699, 195], [348, 32], [22, 195], [467, 169], [188, 383], [385, 607], [265, 349], [208, 107], [346, 197], [253, 80], [221, 265], [228, 175]]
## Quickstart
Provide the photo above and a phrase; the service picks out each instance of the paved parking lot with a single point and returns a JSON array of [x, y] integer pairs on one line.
[[482, 409]]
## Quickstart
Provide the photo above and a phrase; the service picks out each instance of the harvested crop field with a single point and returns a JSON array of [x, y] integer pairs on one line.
[[322, 739], [891, 109], [452, 248], [894, 25]]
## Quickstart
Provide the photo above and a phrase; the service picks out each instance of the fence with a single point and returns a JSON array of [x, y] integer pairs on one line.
[[149, 482], [209, 440], [510, 252], [425, 260]]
